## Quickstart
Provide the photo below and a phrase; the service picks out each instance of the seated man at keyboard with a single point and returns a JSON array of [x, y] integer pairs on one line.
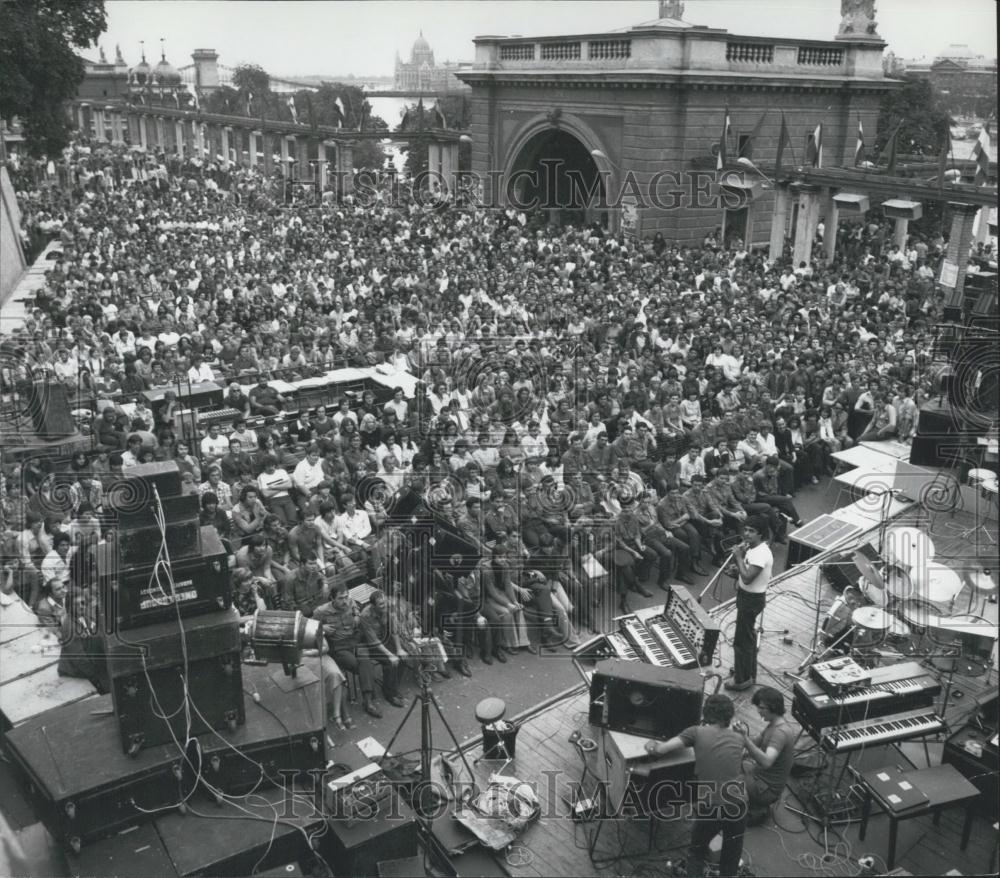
[[771, 754]]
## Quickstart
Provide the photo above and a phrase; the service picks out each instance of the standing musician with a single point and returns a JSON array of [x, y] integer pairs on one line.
[[754, 562]]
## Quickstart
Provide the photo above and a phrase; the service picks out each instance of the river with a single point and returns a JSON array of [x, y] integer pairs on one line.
[[390, 110]]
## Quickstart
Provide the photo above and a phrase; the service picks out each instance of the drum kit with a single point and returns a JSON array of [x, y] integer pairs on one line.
[[897, 604]]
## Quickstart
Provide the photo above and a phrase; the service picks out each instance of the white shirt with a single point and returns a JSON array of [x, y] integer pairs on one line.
[[215, 447], [306, 476], [353, 527], [759, 556], [200, 373]]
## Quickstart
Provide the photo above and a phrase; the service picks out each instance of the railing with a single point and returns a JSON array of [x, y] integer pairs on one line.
[[750, 53], [518, 52], [561, 51], [820, 57], [609, 50]]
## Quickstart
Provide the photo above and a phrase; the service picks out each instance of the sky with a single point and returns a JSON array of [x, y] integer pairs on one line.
[[325, 37]]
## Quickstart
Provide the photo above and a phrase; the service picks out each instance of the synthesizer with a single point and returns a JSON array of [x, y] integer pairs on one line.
[[883, 730], [895, 688]]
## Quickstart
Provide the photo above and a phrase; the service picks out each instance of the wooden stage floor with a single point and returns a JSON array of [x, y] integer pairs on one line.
[[556, 845]]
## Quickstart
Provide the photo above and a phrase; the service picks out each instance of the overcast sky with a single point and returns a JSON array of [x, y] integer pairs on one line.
[[362, 36]]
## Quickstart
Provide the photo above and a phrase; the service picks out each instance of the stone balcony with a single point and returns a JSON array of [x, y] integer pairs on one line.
[[680, 49]]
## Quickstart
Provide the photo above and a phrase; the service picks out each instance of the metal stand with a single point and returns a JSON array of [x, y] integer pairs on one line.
[[426, 700]]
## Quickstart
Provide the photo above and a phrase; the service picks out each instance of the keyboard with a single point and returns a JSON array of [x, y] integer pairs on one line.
[[885, 730], [894, 688], [226, 414], [644, 642], [672, 642], [622, 648]]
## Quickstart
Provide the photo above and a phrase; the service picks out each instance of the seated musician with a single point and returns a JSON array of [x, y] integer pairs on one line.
[[771, 752], [838, 631]]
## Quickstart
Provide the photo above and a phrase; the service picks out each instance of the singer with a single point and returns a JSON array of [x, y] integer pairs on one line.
[[755, 562]]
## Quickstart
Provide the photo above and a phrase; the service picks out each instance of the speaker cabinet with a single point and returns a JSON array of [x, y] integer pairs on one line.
[[356, 847], [646, 700], [50, 411]]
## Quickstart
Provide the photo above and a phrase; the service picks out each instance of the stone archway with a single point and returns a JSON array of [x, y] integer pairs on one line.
[[551, 167]]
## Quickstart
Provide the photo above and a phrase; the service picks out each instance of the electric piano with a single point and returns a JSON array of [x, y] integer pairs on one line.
[[680, 634], [895, 688], [884, 730]]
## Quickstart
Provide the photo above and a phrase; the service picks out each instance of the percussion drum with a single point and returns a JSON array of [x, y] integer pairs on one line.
[[898, 584], [872, 593], [908, 547], [872, 618], [918, 614], [935, 583]]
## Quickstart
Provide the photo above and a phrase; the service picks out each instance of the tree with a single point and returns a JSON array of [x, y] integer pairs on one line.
[[39, 69], [251, 79], [925, 122]]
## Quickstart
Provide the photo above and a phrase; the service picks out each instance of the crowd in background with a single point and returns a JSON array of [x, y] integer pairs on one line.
[[579, 393]]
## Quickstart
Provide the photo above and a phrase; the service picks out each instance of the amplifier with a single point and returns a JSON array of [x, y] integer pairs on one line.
[[175, 509], [970, 750], [135, 596], [48, 403], [136, 492], [357, 848], [642, 699], [146, 672], [283, 735], [81, 784], [137, 850], [236, 839], [140, 547], [842, 570]]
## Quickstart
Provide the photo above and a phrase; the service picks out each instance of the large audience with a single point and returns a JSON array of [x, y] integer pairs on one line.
[[584, 403]]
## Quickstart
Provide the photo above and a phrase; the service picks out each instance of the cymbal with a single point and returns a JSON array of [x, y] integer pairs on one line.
[[872, 618]]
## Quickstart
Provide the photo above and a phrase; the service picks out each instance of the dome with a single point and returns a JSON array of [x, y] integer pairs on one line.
[[956, 52], [421, 44], [421, 52], [166, 73], [140, 73]]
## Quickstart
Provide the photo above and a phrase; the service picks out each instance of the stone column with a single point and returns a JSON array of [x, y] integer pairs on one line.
[[899, 233], [161, 140], [345, 166], [805, 225], [779, 221], [830, 223], [81, 118], [224, 132], [956, 260], [180, 136], [143, 133], [983, 229], [254, 138], [286, 165], [434, 166], [322, 166], [449, 162], [98, 114]]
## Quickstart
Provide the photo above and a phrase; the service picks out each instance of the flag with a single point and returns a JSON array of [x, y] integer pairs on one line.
[[859, 148], [943, 157], [981, 156], [312, 111], [291, 107], [784, 141], [250, 103], [746, 148], [341, 112], [438, 117], [177, 99], [890, 148], [721, 158], [814, 147]]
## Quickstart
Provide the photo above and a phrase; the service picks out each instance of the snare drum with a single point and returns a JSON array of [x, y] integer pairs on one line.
[[873, 594], [918, 614]]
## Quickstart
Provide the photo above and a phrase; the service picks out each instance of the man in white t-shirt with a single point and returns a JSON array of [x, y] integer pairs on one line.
[[755, 564]]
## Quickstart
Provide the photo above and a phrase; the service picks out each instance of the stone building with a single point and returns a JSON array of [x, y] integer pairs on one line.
[[420, 73], [624, 127], [966, 81]]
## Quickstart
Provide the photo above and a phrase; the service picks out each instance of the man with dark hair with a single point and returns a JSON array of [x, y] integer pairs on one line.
[[341, 622], [722, 800], [772, 753], [755, 563], [382, 644]]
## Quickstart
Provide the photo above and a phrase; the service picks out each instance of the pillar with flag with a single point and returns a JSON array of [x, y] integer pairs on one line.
[[292, 110], [981, 156], [859, 148], [814, 147], [722, 157], [784, 142], [339, 105]]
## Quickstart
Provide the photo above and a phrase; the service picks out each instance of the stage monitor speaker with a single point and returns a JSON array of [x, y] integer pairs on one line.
[[842, 569], [642, 699], [50, 411], [356, 847]]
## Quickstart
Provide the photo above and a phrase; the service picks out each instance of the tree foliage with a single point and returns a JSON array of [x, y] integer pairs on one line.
[[449, 111], [925, 122], [251, 79], [39, 69]]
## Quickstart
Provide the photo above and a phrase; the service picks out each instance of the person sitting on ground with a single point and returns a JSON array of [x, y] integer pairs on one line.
[[771, 754]]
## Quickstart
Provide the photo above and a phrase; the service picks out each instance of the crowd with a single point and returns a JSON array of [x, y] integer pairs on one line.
[[579, 393]]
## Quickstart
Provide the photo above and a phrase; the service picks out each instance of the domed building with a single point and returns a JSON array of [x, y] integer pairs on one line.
[[420, 73], [158, 85], [967, 81]]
